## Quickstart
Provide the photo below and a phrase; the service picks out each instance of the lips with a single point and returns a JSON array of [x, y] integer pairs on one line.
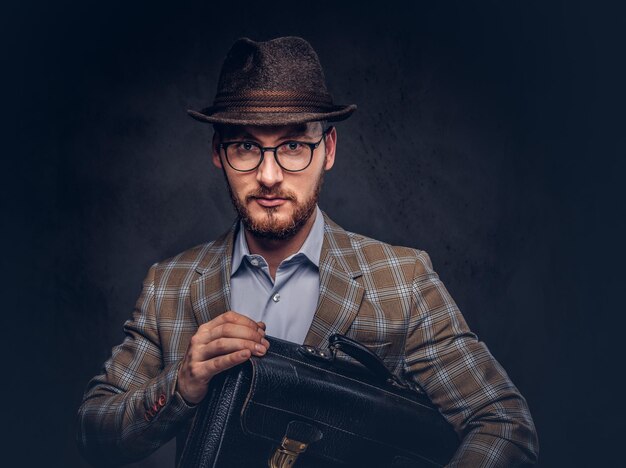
[[270, 202]]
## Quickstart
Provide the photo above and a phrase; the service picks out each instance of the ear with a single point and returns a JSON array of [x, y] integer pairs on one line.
[[331, 146], [215, 151]]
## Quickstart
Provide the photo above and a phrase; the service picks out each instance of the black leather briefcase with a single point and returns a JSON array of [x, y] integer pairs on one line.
[[305, 407]]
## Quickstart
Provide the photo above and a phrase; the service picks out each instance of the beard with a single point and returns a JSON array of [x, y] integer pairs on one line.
[[270, 226]]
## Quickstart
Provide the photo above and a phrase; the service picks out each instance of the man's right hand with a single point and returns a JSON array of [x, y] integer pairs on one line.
[[218, 345]]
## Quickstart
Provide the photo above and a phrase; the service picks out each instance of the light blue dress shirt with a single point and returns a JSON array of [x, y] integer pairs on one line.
[[287, 304]]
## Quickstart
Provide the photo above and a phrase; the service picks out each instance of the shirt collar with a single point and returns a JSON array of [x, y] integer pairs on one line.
[[311, 248]]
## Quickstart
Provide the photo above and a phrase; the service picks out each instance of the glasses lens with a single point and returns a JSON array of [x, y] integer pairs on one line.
[[294, 156], [243, 156]]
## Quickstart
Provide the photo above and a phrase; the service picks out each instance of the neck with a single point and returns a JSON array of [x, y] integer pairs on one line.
[[274, 251]]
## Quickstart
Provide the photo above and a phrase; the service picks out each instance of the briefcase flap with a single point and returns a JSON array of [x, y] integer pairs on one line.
[[359, 418]]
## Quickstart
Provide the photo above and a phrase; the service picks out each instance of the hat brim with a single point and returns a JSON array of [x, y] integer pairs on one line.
[[335, 114]]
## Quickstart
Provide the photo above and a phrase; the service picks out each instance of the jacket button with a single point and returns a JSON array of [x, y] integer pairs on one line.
[[162, 400]]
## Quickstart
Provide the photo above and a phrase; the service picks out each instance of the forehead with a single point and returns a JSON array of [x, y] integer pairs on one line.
[[267, 132]]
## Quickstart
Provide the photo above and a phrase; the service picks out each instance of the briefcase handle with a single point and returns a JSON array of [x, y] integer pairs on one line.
[[360, 353]]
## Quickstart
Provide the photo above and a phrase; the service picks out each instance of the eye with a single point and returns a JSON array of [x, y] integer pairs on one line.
[[245, 147], [294, 146]]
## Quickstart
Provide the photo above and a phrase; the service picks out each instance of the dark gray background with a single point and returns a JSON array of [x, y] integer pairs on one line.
[[488, 133]]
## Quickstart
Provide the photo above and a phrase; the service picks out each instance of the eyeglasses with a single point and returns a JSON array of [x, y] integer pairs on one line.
[[291, 156]]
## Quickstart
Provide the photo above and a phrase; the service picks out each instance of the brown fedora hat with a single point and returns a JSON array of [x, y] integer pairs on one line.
[[277, 82]]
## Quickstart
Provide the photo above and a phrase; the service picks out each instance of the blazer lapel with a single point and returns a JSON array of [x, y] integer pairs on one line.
[[210, 293], [340, 292]]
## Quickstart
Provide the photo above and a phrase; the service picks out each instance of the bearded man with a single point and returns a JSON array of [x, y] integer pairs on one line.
[[287, 270]]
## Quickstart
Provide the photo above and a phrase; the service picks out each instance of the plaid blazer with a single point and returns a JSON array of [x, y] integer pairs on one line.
[[386, 297]]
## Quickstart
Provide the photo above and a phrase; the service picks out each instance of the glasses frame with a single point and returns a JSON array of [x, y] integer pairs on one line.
[[273, 149]]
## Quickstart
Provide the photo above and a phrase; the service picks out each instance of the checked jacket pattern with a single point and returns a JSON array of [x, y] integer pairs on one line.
[[389, 298]]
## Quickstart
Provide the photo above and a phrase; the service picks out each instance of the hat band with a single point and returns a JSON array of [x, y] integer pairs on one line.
[[273, 101]]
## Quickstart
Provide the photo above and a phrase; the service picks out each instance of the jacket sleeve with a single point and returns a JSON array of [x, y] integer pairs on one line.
[[462, 378], [132, 407]]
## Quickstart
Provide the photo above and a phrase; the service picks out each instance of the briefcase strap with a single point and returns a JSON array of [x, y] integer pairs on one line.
[[366, 357], [359, 352]]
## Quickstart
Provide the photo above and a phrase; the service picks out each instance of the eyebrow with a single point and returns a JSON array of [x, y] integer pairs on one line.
[[295, 133]]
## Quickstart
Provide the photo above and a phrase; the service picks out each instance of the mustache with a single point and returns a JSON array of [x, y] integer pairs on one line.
[[263, 192]]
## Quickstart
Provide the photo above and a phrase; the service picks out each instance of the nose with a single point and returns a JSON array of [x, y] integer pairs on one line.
[[269, 173]]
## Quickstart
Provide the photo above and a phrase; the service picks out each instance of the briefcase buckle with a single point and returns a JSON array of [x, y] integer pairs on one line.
[[286, 455]]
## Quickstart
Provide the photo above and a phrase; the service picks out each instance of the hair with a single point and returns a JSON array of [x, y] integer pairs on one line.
[[218, 128]]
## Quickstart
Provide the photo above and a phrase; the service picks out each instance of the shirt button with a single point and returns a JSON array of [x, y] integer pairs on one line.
[[276, 297], [254, 262]]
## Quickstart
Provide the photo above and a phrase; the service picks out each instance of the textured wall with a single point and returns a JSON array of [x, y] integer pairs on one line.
[[486, 134]]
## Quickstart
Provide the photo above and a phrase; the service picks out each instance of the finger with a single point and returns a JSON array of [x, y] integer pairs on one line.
[[229, 316], [222, 363], [219, 327], [262, 325], [232, 330], [224, 346], [243, 337]]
